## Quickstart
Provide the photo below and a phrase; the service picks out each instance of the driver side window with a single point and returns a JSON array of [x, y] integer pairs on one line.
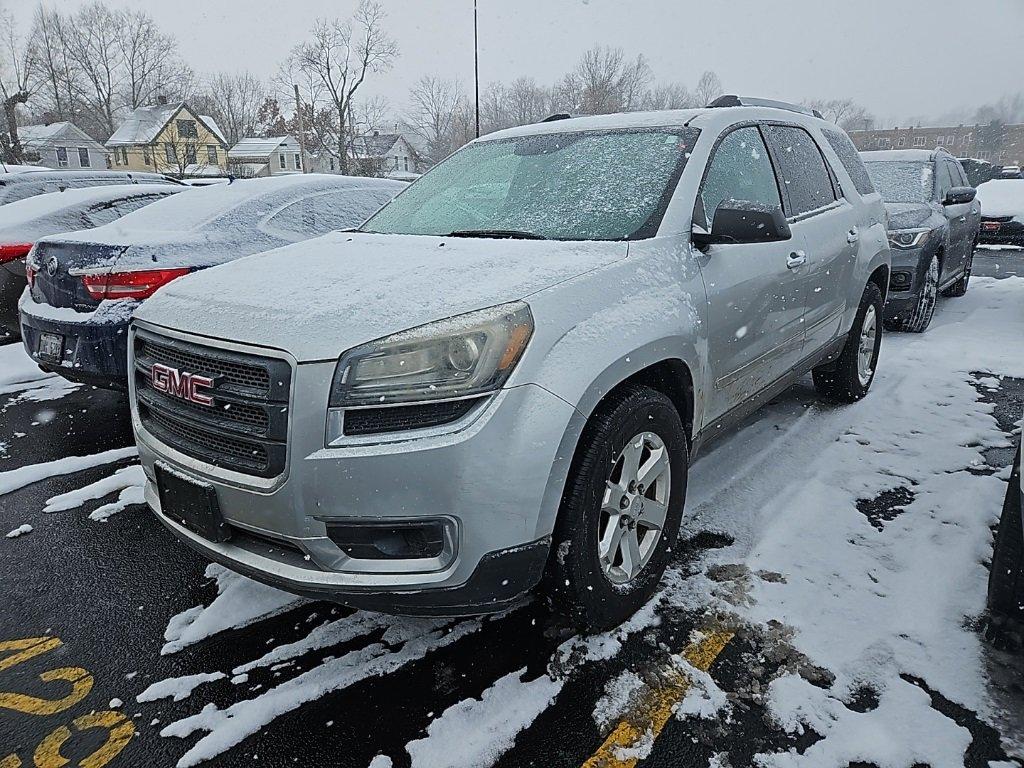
[[739, 170]]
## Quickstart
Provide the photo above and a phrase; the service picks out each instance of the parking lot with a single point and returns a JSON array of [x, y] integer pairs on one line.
[[826, 609]]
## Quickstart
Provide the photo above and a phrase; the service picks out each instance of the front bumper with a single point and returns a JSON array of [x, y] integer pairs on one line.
[[905, 280], [495, 477], [95, 347]]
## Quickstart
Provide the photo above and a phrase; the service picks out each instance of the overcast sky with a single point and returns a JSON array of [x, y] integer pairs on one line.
[[900, 58]]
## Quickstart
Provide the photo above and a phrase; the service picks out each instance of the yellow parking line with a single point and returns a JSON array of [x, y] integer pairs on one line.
[[655, 707]]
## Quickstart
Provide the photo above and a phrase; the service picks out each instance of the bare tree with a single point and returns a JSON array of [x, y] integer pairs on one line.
[[604, 81], [337, 60], [709, 88], [846, 113], [180, 154], [94, 45], [234, 101], [436, 115], [527, 102], [670, 96], [17, 67], [57, 72], [149, 60]]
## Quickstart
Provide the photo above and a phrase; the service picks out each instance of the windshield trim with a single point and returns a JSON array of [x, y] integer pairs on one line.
[[645, 231]]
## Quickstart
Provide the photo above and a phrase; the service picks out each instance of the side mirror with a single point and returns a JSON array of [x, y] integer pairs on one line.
[[744, 221], [960, 196]]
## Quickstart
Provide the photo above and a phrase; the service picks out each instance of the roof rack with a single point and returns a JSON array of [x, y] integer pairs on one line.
[[730, 100], [556, 116]]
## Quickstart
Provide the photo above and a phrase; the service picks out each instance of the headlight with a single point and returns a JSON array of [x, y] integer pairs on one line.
[[461, 356], [908, 238]]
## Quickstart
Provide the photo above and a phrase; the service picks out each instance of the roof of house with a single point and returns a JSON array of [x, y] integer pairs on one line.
[[52, 133], [375, 145], [258, 147], [144, 124]]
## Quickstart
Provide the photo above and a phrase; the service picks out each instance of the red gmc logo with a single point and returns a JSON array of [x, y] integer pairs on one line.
[[187, 386]]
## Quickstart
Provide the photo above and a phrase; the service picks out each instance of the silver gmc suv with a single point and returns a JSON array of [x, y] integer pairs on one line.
[[499, 382]]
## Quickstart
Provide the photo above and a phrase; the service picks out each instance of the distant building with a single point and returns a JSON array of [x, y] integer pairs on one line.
[[997, 143], [61, 145], [172, 139], [275, 156], [375, 154]]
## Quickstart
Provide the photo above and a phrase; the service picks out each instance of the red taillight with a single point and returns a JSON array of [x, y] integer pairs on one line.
[[129, 285], [12, 251], [30, 275]]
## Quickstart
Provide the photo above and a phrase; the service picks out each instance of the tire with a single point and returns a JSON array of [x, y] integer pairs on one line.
[[848, 378], [598, 595], [1006, 577], [959, 288], [919, 320]]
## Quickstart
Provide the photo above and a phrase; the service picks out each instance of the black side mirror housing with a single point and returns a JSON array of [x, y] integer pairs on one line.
[[960, 196], [744, 221]]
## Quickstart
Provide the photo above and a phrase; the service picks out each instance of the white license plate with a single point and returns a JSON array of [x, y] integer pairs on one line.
[[51, 346]]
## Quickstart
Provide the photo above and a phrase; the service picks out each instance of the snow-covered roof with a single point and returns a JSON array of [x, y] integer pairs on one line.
[[375, 145], [144, 124], [1002, 197], [51, 134], [257, 146], [899, 155]]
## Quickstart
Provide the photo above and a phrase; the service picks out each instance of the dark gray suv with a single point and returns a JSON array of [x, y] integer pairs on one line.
[[934, 220]]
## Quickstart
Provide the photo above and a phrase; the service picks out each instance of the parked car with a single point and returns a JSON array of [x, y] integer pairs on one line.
[[1002, 212], [502, 376], [18, 186], [1009, 172], [933, 230], [1006, 577], [24, 222], [84, 286]]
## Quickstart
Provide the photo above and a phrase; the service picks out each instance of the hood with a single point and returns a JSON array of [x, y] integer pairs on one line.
[[318, 298], [909, 215]]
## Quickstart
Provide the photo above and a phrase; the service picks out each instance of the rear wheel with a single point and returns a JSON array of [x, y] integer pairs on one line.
[[921, 316], [621, 510], [959, 288], [849, 378], [1006, 578]]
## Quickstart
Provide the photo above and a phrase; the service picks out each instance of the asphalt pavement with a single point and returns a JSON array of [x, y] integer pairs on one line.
[[106, 592]]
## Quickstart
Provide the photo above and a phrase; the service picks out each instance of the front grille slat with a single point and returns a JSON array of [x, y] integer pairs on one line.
[[244, 430]]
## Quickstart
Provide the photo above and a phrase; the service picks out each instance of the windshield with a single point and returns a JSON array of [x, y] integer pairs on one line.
[[592, 185], [902, 182]]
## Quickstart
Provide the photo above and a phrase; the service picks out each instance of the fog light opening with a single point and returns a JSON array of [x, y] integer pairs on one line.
[[389, 541]]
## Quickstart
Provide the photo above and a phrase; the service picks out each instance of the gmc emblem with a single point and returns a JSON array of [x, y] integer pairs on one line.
[[187, 386]]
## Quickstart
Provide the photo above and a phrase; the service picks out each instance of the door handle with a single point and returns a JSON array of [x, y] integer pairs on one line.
[[852, 236], [796, 259]]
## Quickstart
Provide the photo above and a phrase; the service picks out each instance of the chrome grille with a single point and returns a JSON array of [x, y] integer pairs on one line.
[[246, 427]]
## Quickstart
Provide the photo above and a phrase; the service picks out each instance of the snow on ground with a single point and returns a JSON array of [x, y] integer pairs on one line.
[[178, 688], [128, 483], [21, 530], [870, 601], [14, 479], [19, 373]]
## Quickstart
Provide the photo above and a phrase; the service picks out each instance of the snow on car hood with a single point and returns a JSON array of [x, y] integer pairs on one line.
[[1002, 197], [909, 215], [318, 298]]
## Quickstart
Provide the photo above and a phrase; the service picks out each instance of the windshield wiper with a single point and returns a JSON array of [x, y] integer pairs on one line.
[[511, 234]]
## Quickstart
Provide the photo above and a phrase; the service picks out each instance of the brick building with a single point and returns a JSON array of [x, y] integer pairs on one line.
[[998, 143]]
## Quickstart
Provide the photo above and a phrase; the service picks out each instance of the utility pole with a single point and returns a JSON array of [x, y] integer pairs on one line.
[[302, 130], [476, 69]]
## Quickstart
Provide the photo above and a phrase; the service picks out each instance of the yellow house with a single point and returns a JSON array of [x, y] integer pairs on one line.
[[171, 139]]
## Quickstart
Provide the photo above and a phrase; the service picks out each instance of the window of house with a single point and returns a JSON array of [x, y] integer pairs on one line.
[[211, 154], [407, 163], [281, 161], [919, 141], [298, 161], [396, 162], [145, 155], [951, 141], [190, 154], [802, 170], [902, 142], [187, 129], [170, 153], [83, 158], [62, 157], [332, 162], [124, 155], [117, 157]]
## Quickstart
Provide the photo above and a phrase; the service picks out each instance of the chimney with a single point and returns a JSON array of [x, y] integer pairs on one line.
[[376, 134], [161, 100]]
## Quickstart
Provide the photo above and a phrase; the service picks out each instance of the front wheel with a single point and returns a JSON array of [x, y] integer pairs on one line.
[[849, 378], [1006, 577], [621, 510], [921, 317]]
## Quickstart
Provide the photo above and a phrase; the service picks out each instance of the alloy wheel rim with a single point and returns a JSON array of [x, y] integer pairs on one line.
[[634, 507], [866, 349]]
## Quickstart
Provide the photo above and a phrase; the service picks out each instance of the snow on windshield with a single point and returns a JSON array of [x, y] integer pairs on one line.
[[902, 182], [606, 185]]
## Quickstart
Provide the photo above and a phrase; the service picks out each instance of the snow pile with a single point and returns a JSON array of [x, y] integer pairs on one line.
[[239, 602], [129, 483], [21, 530], [14, 479], [1002, 197], [178, 688]]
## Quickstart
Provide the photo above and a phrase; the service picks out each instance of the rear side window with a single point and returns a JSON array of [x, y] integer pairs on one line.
[[804, 175], [319, 214], [956, 171], [104, 213], [740, 170], [850, 158]]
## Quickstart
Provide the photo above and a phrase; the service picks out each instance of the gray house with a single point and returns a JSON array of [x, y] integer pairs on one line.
[[62, 145], [275, 156]]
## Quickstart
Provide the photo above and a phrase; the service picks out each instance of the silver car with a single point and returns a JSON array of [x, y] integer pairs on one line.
[[499, 382]]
